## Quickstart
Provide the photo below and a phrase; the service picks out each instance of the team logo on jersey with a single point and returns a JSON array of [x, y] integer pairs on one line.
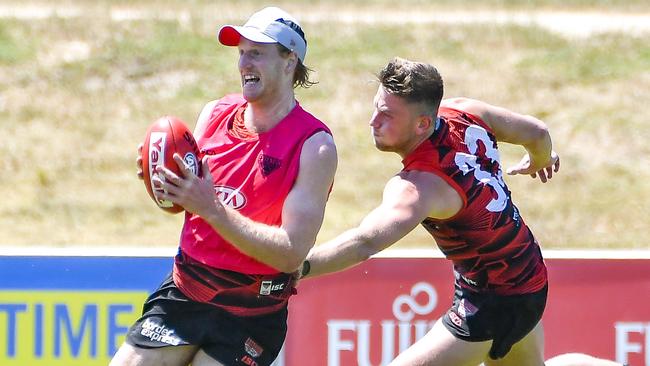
[[230, 197], [269, 164]]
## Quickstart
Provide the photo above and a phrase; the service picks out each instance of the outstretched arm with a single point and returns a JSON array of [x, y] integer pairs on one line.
[[519, 129], [408, 199]]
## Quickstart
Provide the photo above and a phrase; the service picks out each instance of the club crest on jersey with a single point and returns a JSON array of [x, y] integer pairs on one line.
[[230, 197], [269, 164]]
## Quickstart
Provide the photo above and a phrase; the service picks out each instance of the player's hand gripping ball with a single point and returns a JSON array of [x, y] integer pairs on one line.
[[166, 136]]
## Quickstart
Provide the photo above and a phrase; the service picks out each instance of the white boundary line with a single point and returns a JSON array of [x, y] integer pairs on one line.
[[42, 251], [102, 251]]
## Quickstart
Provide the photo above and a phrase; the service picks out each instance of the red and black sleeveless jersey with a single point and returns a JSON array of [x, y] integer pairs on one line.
[[490, 245]]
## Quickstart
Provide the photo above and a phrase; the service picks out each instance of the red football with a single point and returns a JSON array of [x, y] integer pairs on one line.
[[166, 136]]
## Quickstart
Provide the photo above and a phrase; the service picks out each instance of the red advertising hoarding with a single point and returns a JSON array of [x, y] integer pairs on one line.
[[65, 307], [368, 314]]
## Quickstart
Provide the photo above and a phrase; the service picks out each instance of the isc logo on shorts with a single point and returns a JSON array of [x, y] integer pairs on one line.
[[455, 319], [466, 308], [267, 287]]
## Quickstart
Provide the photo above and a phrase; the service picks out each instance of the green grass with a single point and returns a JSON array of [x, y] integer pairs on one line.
[[77, 94], [601, 58], [13, 50]]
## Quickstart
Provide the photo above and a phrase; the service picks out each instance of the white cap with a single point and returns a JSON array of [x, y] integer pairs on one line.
[[269, 25]]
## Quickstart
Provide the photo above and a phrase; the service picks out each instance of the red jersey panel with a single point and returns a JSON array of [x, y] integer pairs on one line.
[[490, 245], [253, 173]]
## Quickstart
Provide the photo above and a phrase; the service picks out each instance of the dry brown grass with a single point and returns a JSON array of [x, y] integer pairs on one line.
[[78, 94]]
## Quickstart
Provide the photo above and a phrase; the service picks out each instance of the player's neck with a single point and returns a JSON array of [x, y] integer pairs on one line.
[[264, 115], [413, 144]]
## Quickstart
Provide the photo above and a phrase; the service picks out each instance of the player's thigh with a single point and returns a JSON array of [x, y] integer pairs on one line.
[[579, 359], [528, 351], [203, 359], [129, 355], [441, 348]]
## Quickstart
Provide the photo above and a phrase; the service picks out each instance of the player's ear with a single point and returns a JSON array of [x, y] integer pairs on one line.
[[425, 122], [292, 62]]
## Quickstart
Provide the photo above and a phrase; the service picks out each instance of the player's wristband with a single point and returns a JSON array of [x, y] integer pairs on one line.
[[306, 267]]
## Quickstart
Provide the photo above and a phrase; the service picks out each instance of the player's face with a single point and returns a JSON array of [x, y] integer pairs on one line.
[[263, 71], [393, 123]]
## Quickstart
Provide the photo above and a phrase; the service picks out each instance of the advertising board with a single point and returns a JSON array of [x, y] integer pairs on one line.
[[74, 310]]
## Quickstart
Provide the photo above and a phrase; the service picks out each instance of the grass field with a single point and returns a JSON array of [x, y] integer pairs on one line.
[[80, 85]]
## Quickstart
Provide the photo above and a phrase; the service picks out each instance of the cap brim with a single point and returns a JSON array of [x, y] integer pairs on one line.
[[230, 35]]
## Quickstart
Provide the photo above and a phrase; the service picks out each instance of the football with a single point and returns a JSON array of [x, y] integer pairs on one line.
[[166, 136]]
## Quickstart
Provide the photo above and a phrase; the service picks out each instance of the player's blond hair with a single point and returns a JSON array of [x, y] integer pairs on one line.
[[301, 74]]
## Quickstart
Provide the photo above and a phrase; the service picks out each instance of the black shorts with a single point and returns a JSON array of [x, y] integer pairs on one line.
[[477, 317], [169, 318]]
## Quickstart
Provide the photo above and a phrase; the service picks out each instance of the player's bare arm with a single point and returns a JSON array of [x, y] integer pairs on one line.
[[285, 247], [408, 199], [519, 129], [204, 117]]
